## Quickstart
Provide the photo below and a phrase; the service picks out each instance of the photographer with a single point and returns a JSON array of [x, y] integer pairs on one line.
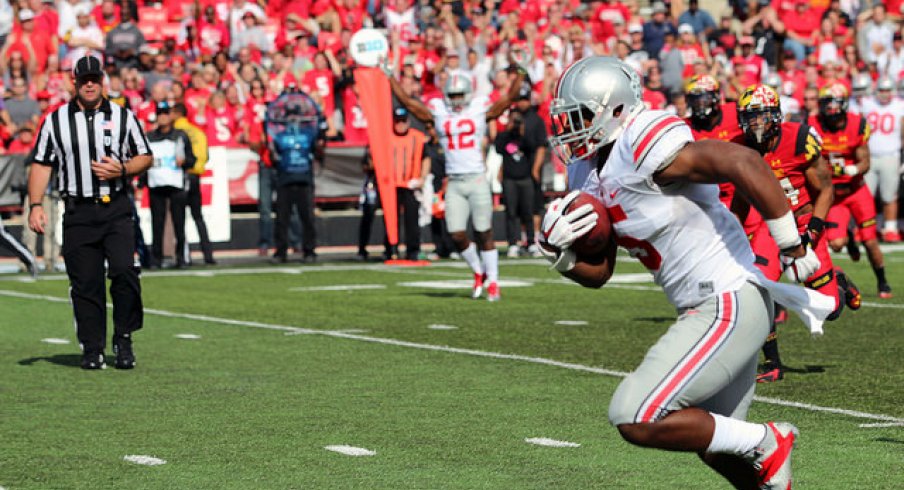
[[523, 149]]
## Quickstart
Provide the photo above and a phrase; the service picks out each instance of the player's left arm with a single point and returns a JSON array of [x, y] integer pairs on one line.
[[508, 98], [819, 183], [714, 161], [861, 153]]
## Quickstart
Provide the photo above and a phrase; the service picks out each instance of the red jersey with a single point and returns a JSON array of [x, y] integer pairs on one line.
[[725, 129], [355, 122], [222, 126], [797, 146], [321, 82], [839, 146]]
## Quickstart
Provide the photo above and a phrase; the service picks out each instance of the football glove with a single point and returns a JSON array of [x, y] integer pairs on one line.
[[800, 268], [851, 170], [561, 229], [562, 260]]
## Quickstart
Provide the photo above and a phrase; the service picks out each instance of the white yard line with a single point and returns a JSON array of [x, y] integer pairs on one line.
[[545, 441], [350, 450], [457, 350], [144, 460], [339, 287]]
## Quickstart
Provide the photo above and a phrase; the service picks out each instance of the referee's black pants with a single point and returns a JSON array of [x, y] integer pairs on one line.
[[94, 232], [300, 197], [408, 213], [177, 200]]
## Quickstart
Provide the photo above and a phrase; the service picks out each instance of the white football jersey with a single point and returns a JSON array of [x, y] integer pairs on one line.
[[691, 243], [461, 134], [885, 125]]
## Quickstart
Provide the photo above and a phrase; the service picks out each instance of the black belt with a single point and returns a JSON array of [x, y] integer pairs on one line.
[[104, 200]]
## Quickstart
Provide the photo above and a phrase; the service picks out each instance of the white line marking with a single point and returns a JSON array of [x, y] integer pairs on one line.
[[545, 441], [350, 450], [883, 305], [881, 425], [574, 323], [340, 287], [55, 341], [455, 350], [144, 460], [462, 284], [632, 278], [438, 326], [187, 336]]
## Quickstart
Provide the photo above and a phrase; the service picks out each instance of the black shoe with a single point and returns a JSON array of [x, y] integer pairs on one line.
[[852, 295], [210, 261], [122, 349], [93, 360], [309, 258], [279, 259], [853, 248], [362, 256]]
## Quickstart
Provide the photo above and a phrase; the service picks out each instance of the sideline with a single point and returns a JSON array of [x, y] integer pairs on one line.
[[456, 350]]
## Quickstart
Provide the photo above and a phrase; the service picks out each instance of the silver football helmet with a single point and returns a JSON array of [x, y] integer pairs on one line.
[[457, 91], [885, 89], [861, 84], [773, 81], [595, 100]]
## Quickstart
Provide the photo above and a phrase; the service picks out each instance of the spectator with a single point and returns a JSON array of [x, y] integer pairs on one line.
[[251, 36], [167, 182], [6, 20], [213, 34], [656, 29], [161, 74], [17, 68], [700, 20], [124, 41], [800, 24], [193, 196], [749, 67], [222, 124], [22, 108], [107, 15], [147, 111], [294, 149], [877, 35], [672, 64], [690, 49], [237, 10], [34, 46], [84, 38]]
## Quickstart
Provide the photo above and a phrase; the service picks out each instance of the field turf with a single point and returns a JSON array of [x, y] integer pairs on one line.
[[444, 389]]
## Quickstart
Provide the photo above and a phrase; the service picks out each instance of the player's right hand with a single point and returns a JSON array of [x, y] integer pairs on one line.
[[798, 269], [561, 229], [37, 220]]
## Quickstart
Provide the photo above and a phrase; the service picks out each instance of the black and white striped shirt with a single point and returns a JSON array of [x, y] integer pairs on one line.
[[72, 138]]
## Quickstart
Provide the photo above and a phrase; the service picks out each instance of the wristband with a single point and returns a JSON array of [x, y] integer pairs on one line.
[[34, 205], [784, 230]]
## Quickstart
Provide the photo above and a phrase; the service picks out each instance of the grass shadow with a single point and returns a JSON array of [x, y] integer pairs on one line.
[[656, 319], [68, 360], [888, 439]]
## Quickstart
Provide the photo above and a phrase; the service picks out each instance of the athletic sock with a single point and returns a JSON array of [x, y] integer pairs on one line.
[[880, 274], [491, 264], [770, 350], [470, 256], [734, 436]]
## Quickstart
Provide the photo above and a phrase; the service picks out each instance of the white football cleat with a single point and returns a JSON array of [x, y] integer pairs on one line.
[[772, 456], [513, 252], [477, 291]]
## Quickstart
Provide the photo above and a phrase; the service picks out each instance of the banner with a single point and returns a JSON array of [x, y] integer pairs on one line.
[[376, 100], [214, 202]]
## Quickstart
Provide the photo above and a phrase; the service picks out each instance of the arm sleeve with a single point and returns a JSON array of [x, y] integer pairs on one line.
[[44, 144], [656, 141], [863, 131], [189, 153], [136, 142]]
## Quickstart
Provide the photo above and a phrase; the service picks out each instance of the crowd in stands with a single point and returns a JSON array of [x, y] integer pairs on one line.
[[224, 59]]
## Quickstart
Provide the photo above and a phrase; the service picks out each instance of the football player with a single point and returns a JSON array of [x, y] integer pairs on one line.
[[844, 145], [793, 152], [461, 122], [884, 112], [712, 119], [694, 387]]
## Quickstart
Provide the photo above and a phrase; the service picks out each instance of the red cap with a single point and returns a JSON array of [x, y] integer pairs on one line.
[[43, 95]]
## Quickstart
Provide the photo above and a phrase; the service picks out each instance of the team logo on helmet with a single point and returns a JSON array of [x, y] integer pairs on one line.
[[833, 103], [701, 83], [759, 115], [702, 92]]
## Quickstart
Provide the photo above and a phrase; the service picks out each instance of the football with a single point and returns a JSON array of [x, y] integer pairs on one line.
[[595, 241]]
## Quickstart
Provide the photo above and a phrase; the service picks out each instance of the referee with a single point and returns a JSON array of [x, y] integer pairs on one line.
[[98, 147]]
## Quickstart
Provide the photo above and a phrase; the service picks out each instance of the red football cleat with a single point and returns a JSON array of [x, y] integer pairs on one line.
[[477, 290], [493, 292], [891, 236], [885, 291], [770, 376]]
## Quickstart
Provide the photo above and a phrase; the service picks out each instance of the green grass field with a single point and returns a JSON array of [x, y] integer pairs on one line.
[[287, 364]]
